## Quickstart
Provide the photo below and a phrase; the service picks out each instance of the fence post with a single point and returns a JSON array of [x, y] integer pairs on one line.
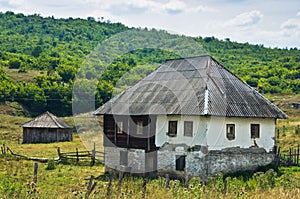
[[121, 174], [260, 184], [186, 184], [279, 157], [93, 155], [167, 181], [144, 186], [77, 156], [225, 187], [290, 157], [298, 151], [295, 157], [203, 185], [58, 151], [90, 187], [35, 171], [109, 184]]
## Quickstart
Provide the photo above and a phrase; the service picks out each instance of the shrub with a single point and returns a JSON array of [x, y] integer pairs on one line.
[[14, 63], [51, 165]]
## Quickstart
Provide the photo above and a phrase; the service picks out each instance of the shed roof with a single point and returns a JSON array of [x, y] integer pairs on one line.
[[191, 86], [46, 120]]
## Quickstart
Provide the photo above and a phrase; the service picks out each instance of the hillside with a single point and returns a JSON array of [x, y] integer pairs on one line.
[[40, 58]]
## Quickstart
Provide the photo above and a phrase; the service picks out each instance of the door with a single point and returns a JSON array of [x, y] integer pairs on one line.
[[151, 163]]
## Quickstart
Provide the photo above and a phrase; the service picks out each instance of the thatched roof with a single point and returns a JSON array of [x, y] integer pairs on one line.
[[192, 86], [46, 120]]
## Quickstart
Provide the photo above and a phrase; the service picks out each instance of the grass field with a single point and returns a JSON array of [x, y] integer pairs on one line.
[[70, 180], [15, 75]]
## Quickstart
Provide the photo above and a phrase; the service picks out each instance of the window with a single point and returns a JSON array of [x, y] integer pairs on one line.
[[139, 127], [254, 130], [119, 127], [172, 128], [230, 131], [188, 128], [123, 158], [180, 162]]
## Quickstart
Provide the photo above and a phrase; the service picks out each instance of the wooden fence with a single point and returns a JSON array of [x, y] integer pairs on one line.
[[289, 157], [78, 156]]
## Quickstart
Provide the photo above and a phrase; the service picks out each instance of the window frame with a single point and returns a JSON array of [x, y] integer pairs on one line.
[[139, 127], [119, 127], [256, 134], [186, 128], [230, 135], [171, 133]]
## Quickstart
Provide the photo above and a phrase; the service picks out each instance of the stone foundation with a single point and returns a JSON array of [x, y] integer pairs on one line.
[[228, 160], [136, 160], [198, 162]]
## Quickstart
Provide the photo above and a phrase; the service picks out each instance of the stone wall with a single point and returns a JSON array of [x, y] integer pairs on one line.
[[136, 159], [227, 161], [199, 162], [204, 165]]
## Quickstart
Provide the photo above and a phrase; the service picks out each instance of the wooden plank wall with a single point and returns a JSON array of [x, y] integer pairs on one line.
[[129, 138]]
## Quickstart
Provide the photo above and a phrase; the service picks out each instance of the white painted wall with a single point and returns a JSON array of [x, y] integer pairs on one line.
[[216, 132], [162, 125], [216, 138]]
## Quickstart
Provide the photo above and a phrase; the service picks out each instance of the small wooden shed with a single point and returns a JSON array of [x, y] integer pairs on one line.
[[46, 128]]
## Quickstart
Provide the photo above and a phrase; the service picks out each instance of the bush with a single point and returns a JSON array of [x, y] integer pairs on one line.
[[51, 165], [14, 63]]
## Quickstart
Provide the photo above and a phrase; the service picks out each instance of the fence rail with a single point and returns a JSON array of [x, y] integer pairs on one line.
[[289, 157], [78, 156]]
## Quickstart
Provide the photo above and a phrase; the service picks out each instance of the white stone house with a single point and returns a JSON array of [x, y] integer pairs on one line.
[[190, 115]]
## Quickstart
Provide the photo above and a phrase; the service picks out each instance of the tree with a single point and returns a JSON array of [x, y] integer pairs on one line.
[[36, 51], [14, 63]]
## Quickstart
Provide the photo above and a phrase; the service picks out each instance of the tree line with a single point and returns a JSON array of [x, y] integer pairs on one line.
[[58, 47]]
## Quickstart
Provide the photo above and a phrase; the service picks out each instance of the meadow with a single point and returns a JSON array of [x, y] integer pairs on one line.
[[71, 180]]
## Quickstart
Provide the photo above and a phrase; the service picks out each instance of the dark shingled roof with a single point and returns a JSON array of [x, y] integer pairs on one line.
[[46, 120], [191, 86]]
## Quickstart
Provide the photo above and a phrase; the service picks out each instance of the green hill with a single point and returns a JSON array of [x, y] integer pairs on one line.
[[41, 56]]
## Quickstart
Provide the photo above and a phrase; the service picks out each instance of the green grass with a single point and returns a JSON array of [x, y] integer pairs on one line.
[[70, 181], [15, 75]]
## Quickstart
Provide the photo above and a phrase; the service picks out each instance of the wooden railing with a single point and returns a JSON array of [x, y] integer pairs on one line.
[[289, 157]]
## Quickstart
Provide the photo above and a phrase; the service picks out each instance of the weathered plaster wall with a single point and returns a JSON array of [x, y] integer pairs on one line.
[[217, 140], [199, 129], [211, 132]]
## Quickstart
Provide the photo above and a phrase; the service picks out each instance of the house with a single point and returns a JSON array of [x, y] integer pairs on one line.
[[192, 116], [46, 128]]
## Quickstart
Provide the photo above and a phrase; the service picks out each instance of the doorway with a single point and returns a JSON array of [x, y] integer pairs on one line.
[[151, 163]]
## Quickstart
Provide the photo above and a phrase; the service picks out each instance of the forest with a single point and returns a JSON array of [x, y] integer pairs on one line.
[[40, 58]]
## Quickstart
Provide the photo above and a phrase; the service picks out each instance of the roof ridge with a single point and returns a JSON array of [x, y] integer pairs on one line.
[[53, 117], [180, 58], [55, 121]]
